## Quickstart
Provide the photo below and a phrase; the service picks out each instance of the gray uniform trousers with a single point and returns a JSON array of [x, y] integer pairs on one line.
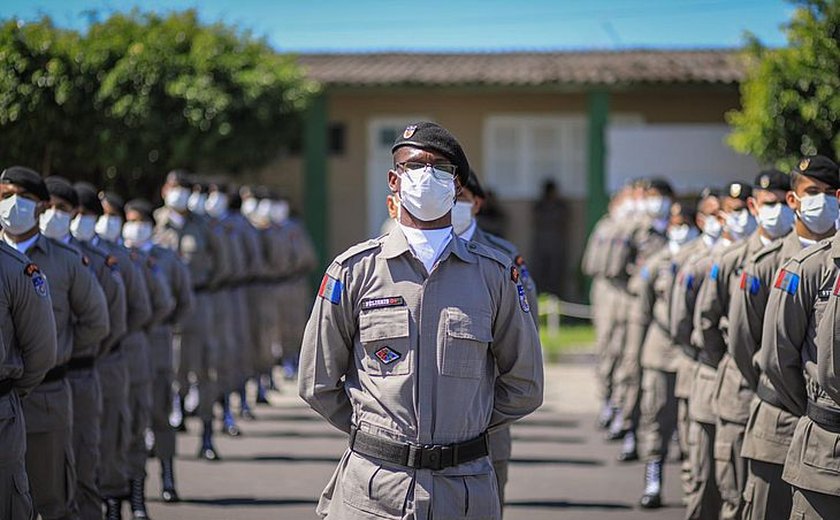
[[15, 499], [49, 455], [139, 401], [161, 408], [295, 303], [116, 424], [242, 333], [87, 424], [200, 354], [658, 413], [223, 329]]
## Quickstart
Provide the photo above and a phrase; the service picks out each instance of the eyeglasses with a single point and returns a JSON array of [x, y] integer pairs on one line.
[[442, 172]]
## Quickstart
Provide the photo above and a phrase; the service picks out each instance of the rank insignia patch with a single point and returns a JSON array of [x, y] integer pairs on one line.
[[330, 289], [787, 281], [523, 300], [387, 355], [380, 303], [38, 280]]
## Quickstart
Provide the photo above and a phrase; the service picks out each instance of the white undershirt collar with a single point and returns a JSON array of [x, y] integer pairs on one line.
[[427, 244], [24, 246]]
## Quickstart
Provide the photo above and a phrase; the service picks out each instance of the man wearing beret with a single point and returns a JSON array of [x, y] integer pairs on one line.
[[82, 374], [81, 317], [418, 344], [771, 422]]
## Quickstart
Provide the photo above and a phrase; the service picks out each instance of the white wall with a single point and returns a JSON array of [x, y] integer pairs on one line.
[[691, 157]]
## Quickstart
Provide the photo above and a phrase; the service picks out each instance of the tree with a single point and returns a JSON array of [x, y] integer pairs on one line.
[[791, 97], [140, 94]]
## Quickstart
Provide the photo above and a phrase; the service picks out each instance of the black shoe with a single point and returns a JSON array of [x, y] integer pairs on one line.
[[247, 414], [651, 501], [170, 496], [182, 427], [167, 478], [231, 430], [209, 453], [613, 435], [628, 456], [262, 399], [113, 509], [138, 499]]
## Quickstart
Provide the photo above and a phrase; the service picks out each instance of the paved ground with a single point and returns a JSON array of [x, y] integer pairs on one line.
[[561, 468]]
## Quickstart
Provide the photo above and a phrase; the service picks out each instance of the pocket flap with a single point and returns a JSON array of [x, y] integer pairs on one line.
[[474, 325], [383, 324]]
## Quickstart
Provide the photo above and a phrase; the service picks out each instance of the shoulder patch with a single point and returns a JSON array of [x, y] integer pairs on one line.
[[357, 249], [750, 284], [330, 289], [31, 269], [714, 272], [787, 281], [38, 281], [523, 298], [836, 291]]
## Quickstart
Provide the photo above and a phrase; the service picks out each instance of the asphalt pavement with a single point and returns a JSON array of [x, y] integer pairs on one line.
[[561, 467]]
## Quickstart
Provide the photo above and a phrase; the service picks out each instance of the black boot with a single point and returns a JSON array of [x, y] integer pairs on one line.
[[138, 499], [113, 509], [652, 498], [208, 452], [167, 477], [628, 448]]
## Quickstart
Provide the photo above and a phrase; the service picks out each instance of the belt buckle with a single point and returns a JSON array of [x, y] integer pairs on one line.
[[431, 457]]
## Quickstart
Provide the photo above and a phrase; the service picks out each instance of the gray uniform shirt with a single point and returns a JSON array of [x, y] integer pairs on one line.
[[27, 324]]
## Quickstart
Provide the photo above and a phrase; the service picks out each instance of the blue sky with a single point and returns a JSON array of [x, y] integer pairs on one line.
[[441, 25]]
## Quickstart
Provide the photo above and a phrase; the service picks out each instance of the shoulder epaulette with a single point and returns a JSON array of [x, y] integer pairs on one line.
[[357, 249], [489, 252], [67, 247], [812, 250], [766, 250], [14, 253], [502, 244]]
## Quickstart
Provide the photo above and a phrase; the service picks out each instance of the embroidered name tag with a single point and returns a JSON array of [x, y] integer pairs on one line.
[[387, 355], [380, 303], [823, 294]]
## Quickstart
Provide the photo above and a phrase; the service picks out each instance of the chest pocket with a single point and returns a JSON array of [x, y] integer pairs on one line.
[[385, 339], [465, 344]]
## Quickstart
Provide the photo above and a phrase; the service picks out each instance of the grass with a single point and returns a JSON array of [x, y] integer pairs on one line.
[[570, 338]]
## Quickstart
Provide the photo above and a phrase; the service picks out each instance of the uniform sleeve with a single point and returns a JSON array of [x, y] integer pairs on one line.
[[744, 330], [681, 316], [785, 326], [137, 297], [218, 250], [709, 310], [327, 353], [160, 295], [305, 258], [34, 324], [114, 289], [88, 305], [516, 348], [254, 252], [182, 291]]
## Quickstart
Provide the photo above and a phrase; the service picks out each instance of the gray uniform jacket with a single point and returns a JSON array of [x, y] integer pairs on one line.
[[180, 287], [138, 305], [800, 337], [104, 267], [595, 255], [426, 359], [28, 325], [654, 294], [196, 245]]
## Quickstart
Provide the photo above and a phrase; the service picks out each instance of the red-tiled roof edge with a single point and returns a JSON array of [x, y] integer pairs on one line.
[[524, 68]]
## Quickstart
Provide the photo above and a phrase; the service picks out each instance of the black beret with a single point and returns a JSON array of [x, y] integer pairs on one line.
[[61, 187], [474, 186], [771, 180], [142, 206], [662, 186], [821, 168], [708, 192], [262, 192], [430, 136], [88, 198], [29, 180], [114, 200], [180, 177], [738, 190]]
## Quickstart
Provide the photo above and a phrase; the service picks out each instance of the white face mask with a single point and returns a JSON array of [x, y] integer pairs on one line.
[[740, 224], [711, 227], [17, 214], [177, 198], [681, 234], [279, 211], [424, 195], [818, 212], [196, 202], [108, 227], [776, 219], [217, 204], [658, 207], [136, 234], [54, 223], [83, 227], [249, 206], [462, 216]]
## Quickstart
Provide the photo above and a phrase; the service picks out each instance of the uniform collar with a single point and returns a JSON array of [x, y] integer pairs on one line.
[[835, 246], [395, 244]]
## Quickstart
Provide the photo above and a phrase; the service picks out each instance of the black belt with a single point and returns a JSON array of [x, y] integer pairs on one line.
[[706, 361], [430, 456], [826, 418], [6, 386], [689, 351], [81, 363], [769, 395], [56, 374]]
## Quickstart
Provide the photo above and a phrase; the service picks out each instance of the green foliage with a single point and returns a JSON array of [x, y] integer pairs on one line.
[[140, 94], [791, 98]]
